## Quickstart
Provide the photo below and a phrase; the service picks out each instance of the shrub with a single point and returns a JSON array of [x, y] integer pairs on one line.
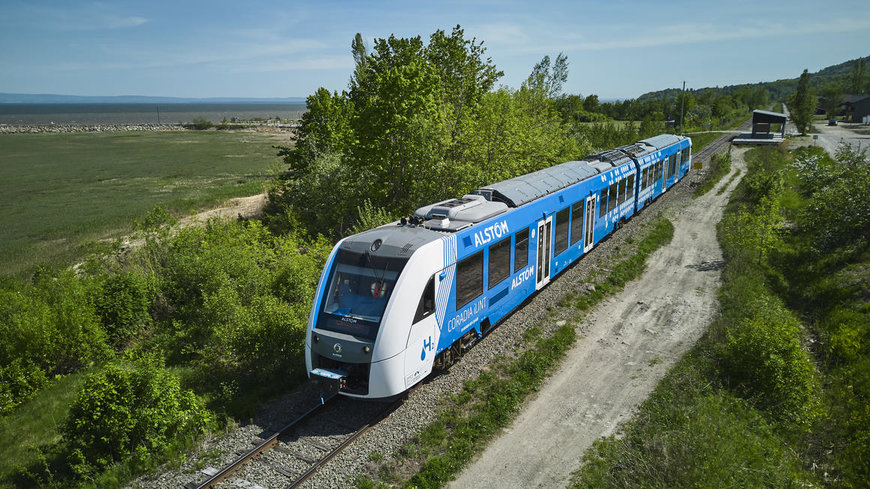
[[50, 326], [764, 360], [129, 413], [122, 305], [18, 381]]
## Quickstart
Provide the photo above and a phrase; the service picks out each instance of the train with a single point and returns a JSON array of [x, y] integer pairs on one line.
[[398, 301]]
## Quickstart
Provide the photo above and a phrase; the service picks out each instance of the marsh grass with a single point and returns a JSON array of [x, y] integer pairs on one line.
[[61, 193]]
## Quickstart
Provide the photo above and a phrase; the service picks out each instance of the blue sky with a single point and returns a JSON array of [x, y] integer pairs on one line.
[[616, 49]]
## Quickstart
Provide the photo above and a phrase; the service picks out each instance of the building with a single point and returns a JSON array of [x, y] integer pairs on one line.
[[856, 107], [767, 128]]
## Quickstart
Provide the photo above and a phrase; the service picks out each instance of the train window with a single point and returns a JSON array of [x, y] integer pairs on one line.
[[469, 279], [521, 250], [622, 191], [576, 222], [659, 166], [602, 203], [499, 262], [612, 196], [672, 165], [561, 239], [643, 175], [630, 190], [427, 302]]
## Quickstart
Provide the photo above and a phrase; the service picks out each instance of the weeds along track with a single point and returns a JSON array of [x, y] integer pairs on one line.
[[714, 147], [290, 456]]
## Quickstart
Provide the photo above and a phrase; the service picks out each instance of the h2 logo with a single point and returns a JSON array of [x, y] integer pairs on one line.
[[427, 345]]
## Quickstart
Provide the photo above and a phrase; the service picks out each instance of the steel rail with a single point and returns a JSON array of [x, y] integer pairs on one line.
[[347, 441], [262, 448]]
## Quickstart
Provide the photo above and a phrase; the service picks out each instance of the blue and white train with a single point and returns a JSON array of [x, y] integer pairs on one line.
[[397, 301]]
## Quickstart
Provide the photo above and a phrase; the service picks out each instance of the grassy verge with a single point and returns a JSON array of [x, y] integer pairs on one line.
[[703, 139], [60, 192], [36, 424], [489, 403], [720, 165]]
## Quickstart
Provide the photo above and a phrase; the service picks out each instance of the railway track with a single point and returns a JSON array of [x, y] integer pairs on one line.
[[713, 148], [293, 454]]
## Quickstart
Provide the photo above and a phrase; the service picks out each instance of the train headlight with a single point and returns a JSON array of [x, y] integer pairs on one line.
[[367, 349], [316, 338]]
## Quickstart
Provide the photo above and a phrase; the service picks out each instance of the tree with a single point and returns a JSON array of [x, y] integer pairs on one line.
[[547, 79], [803, 103], [832, 97], [590, 103]]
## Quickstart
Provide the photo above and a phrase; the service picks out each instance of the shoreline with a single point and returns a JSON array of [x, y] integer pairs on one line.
[[73, 128]]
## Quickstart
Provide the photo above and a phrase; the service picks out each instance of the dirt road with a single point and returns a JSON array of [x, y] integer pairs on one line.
[[623, 349]]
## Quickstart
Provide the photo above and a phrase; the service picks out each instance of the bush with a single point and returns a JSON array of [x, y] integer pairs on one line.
[[129, 413], [764, 360], [49, 326], [18, 381], [122, 305]]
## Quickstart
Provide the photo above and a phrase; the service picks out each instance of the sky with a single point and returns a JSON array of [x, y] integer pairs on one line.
[[289, 48]]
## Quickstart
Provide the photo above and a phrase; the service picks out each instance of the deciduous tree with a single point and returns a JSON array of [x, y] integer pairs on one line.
[[803, 103]]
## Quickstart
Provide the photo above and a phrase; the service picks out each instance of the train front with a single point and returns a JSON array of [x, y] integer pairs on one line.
[[358, 332]]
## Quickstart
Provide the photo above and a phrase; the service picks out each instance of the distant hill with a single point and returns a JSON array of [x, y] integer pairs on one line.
[[778, 90], [31, 98]]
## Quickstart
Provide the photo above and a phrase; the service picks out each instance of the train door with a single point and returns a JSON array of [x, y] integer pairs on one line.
[[589, 235], [545, 228]]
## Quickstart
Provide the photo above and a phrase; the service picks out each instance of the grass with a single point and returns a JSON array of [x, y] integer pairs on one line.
[[703, 139], [60, 192], [491, 401], [720, 165], [36, 423]]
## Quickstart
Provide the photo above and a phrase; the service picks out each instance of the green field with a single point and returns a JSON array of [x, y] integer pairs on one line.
[[60, 192]]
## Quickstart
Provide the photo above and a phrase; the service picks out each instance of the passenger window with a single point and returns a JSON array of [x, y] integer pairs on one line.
[[576, 222], [602, 203], [630, 189], [521, 250], [561, 239], [612, 197], [643, 176], [622, 191], [469, 279], [427, 301], [499, 262]]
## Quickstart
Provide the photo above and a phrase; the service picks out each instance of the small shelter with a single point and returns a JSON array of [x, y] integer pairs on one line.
[[762, 124]]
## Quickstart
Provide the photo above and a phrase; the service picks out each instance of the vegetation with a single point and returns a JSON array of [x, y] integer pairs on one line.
[[490, 402], [719, 166], [142, 348], [419, 123], [803, 103], [850, 75], [775, 393], [64, 192]]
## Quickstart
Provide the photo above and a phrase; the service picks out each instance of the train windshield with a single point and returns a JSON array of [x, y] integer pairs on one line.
[[358, 289]]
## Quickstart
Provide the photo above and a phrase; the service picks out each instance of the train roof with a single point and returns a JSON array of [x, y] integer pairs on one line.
[[456, 214], [526, 188], [662, 140]]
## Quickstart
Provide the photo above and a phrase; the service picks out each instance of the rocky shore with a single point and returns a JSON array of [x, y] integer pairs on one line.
[[68, 128], [71, 128]]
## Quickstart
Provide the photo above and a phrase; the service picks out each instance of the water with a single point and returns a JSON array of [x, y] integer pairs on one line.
[[88, 114]]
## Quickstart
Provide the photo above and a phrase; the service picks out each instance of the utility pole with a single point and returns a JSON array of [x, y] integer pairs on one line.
[[682, 104], [158, 113]]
